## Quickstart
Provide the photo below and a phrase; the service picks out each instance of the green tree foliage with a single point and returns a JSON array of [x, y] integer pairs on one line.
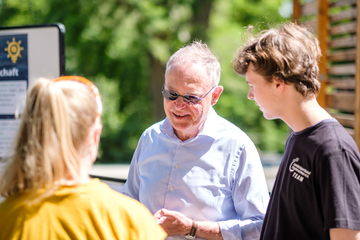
[[227, 25], [123, 45]]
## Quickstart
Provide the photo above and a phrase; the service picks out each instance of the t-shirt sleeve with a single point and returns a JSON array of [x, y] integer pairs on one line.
[[339, 186]]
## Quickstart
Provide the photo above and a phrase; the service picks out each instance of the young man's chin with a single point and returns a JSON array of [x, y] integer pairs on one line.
[[269, 117]]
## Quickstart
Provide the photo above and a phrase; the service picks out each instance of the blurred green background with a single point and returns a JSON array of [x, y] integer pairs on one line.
[[123, 46]]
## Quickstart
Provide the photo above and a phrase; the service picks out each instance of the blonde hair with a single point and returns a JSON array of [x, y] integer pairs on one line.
[[55, 122]]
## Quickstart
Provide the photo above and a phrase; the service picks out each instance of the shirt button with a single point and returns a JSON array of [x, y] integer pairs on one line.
[[172, 189], [177, 166]]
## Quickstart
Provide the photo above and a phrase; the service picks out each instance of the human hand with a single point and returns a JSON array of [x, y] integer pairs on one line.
[[173, 223], [159, 218]]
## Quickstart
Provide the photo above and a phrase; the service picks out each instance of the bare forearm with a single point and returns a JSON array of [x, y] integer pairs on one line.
[[209, 230], [342, 233], [176, 223]]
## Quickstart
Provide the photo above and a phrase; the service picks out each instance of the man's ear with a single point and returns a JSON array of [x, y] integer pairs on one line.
[[215, 96], [278, 83]]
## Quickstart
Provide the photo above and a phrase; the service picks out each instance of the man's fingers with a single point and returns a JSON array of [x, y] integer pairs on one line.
[[166, 213], [157, 214]]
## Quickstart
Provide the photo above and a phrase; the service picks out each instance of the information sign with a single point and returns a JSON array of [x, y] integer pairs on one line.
[[27, 53]]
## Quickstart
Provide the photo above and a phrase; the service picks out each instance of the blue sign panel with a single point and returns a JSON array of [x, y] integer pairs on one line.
[[14, 81], [14, 74], [27, 53]]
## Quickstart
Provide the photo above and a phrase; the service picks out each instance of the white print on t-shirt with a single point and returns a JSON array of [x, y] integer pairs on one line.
[[298, 171]]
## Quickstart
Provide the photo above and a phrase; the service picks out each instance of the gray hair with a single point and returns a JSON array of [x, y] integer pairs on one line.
[[197, 53]]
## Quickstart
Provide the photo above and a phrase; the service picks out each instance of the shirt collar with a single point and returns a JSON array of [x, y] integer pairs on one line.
[[209, 128]]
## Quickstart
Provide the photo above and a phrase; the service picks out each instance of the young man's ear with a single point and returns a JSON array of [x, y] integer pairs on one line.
[[215, 96], [279, 84]]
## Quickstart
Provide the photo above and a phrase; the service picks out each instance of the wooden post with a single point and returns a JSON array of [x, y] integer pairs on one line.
[[357, 79], [296, 10], [157, 81], [322, 30]]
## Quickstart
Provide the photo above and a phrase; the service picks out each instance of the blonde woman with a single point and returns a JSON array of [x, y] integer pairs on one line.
[[49, 194]]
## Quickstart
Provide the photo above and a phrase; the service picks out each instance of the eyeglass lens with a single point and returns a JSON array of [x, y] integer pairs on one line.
[[188, 99], [172, 96]]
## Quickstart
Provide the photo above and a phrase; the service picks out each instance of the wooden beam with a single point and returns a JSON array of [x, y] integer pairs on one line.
[[346, 55], [344, 15], [309, 8], [342, 69], [342, 3], [343, 42], [322, 32], [347, 120], [357, 80], [342, 101], [348, 83], [344, 28]]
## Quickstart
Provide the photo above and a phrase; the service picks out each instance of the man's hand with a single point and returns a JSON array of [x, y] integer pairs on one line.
[[174, 223]]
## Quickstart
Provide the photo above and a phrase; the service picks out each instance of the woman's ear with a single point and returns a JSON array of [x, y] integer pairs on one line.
[[97, 133], [215, 96], [95, 140]]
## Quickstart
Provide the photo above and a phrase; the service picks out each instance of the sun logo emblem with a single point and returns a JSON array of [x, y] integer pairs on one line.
[[14, 50]]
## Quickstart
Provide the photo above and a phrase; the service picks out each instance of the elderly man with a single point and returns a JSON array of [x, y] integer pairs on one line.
[[199, 175]]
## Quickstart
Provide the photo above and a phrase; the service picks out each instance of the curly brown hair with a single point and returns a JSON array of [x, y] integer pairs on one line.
[[289, 53]]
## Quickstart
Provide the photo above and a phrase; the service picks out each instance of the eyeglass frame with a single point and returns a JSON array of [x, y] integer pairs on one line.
[[92, 86], [185, 95]]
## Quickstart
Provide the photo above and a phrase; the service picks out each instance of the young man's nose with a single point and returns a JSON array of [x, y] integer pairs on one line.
[[250, 95]]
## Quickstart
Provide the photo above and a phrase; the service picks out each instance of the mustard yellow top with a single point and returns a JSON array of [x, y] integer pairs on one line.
[[87, 211]]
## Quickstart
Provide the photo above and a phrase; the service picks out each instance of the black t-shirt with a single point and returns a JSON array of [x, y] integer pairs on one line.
[[317, 186]]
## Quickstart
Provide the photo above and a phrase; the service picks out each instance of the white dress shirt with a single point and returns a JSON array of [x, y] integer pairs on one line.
[[215, 176]]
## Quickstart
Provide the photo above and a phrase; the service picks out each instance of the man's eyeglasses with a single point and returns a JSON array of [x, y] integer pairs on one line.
[[188, 99], [92, 86]]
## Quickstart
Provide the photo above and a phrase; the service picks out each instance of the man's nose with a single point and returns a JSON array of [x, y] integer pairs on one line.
[[179, 102], [250, 95]]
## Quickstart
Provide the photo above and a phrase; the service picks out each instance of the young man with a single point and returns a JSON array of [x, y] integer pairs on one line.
[[317, 189], [199, 175]]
